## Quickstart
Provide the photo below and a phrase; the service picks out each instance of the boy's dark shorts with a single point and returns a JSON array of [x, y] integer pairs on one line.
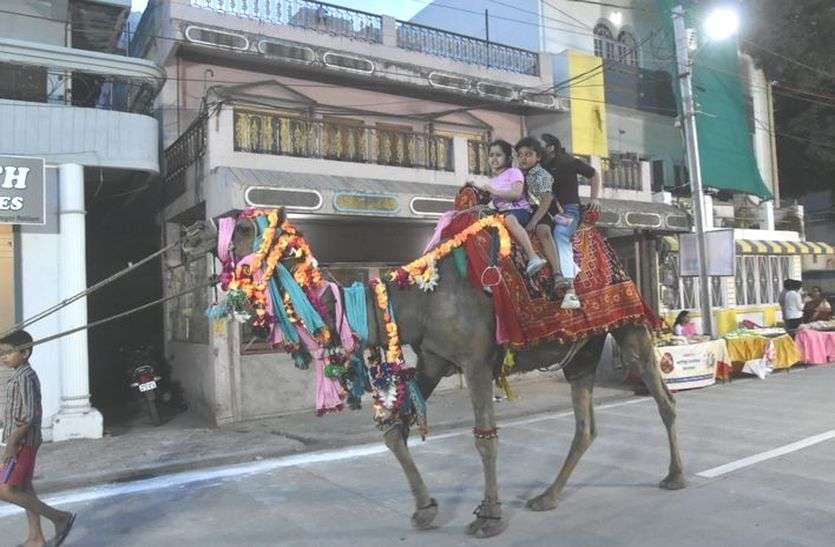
[[23, 468]]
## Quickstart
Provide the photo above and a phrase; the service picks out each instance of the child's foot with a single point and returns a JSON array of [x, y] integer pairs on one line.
[[535, 264], [33, 543], [571, 302]]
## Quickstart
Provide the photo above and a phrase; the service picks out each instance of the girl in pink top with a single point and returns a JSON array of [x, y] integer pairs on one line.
[[507, 190]]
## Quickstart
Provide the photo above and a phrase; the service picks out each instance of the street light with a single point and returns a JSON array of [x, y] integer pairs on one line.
[[720, 24]]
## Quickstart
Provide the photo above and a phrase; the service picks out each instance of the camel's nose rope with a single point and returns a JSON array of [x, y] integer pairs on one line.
[[192, 241]]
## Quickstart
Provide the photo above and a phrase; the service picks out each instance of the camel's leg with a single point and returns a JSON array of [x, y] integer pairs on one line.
[[638, 352], [488, 520], [580, 371], [585, 431], [431, 369]]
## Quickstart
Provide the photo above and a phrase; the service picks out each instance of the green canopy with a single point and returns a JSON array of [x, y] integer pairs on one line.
[[726, 149]]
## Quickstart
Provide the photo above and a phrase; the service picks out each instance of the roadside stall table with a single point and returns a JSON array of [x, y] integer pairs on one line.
[[689, 363], [751, 344], [816, 342]]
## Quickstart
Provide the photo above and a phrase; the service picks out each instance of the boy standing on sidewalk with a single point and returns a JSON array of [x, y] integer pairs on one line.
[[22, 438]]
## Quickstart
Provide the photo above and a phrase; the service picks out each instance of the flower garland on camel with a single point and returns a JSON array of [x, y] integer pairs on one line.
[[423, 271], [260, 290]]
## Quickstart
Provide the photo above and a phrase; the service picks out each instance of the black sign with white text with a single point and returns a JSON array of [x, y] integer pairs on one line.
[[22, 190]]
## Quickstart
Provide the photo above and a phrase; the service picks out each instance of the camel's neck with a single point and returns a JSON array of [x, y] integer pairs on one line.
[[408, 306]]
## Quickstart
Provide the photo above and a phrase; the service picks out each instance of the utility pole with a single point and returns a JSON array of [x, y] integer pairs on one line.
[[487, 34], [685, 78]]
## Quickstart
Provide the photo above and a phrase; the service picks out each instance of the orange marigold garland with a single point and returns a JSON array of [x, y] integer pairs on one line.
[[422, 271]]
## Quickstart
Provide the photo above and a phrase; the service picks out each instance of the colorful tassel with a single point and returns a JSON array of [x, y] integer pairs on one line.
[[460, 257], [508, 363]]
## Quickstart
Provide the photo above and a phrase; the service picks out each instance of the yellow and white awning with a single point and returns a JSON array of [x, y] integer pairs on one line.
[[767, 247]]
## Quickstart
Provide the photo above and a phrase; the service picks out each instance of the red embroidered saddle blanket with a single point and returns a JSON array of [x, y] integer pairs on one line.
[[528, 308]]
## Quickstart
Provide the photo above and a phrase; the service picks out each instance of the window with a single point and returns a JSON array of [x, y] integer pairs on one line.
[[759, 279], [477, 157], [657, 175], [627, 48], [604, 41], [679, 293]]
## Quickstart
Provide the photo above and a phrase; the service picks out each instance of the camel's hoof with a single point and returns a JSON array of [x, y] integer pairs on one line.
[[542, 503], [422, 518], [486, 528], [673, 482]]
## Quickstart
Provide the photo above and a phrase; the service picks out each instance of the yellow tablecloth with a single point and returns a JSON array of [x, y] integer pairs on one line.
[[745, 348]]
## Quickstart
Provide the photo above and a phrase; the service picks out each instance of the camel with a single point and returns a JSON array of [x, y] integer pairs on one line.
[[452, 329]]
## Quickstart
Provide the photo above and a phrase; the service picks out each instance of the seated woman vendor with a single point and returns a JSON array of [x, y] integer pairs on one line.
[[683, 325], [507, 190]]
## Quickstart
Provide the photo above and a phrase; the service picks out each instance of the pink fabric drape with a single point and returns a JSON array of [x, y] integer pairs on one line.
[[443, 222], [225, 231], [329, 392]]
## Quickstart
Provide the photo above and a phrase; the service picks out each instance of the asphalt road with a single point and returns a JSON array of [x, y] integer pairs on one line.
[[760, 458]]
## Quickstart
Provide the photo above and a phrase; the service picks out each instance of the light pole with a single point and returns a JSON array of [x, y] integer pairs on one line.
[[722, 24]]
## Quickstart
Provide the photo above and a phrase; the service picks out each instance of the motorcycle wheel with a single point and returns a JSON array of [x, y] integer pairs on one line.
[[153, 411]]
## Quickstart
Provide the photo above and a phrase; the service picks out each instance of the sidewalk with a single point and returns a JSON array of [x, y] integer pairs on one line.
[[185, 443]]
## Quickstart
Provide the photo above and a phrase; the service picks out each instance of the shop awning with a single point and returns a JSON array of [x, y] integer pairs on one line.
[[766, 247]]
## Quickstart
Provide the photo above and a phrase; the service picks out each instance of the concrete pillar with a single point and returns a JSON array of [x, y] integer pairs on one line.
[[460, 158], [76, 418], [767, 215], [389, 31], [707, 210], [646, 177]]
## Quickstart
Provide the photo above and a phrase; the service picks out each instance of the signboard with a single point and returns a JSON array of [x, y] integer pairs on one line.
[[346, 202], [693, 365], [22, 199], [721, 254]]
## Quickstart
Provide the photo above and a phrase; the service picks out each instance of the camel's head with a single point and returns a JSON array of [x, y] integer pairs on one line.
[[244, 233]]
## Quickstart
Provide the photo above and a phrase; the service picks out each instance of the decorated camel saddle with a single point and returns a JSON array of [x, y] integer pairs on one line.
[[528, 310]]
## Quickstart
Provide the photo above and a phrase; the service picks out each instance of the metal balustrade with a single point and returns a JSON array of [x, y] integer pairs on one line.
[[317, 16], [262, 133], [466, 49]]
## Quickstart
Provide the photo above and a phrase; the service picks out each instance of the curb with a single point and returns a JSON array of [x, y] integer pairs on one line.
[[310, 443]]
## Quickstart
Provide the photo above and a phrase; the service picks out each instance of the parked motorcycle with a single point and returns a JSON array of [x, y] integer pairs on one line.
[[144, 379]]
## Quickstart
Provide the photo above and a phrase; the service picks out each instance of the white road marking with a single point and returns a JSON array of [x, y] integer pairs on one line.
[[767, 455], [111, 490]]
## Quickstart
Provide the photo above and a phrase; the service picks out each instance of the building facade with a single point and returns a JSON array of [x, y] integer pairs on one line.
[[70, 95], [613, 66], [363, 127]]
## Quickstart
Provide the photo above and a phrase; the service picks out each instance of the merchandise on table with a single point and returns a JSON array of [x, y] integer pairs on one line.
[[748, 347], [817, 347]]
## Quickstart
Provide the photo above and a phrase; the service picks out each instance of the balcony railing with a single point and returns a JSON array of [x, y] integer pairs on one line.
[[477, 157], [262, 133], [622, 173], [466, 49], [317, 16], [187, 149], [41, 85]]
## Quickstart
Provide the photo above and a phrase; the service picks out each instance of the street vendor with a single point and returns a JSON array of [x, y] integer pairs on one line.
[[816, 308], [683, 325]]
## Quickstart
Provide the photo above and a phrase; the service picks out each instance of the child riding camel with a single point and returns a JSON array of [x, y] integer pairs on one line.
[[507, 190], [538, 184]]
